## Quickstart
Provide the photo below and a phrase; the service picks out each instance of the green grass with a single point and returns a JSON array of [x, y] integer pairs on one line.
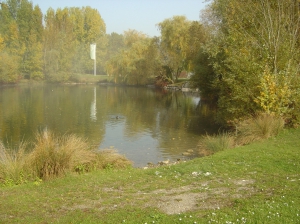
[[255, 183], [75, 78]]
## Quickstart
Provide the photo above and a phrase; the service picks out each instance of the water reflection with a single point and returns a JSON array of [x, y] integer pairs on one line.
[[146, 125], [93, 107]]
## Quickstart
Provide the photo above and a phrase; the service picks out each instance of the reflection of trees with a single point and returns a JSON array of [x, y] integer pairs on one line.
[[24, 110], [174, 113], [61, 109]]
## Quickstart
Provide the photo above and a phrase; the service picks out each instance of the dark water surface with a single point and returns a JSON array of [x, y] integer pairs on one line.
[[146, 125]]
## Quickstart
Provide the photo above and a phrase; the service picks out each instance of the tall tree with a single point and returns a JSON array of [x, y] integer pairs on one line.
[[31, 33], [10, 48], [174, 35]]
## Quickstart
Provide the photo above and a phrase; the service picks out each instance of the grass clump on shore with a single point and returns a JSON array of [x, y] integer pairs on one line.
[[52, 157], [12, 165], [216, 143], [257, 128], [262, 126]]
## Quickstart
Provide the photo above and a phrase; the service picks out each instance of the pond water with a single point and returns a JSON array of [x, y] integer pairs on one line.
[[144, 124]]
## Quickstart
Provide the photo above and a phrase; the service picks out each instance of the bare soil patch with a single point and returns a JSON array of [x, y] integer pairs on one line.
[[186, 198]]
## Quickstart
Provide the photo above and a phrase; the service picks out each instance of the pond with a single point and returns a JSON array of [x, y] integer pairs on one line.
[[144, 124]]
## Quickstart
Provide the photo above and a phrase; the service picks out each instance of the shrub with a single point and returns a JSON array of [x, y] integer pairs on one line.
[[260, 127]]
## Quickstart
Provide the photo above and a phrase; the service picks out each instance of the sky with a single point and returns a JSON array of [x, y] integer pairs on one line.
[[140, 15]]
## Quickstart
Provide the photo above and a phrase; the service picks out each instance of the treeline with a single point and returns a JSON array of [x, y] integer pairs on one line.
[[51, 47], [251, 58], [244, 55], [56, 46]]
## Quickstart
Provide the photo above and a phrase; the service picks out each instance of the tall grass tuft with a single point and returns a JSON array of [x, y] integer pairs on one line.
[[260, 127], [55, 156], [111, 159], [52, 157], [12, 165], [211, 144]]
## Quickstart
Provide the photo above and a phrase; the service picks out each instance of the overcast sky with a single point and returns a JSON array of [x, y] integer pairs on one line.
[[140, 15]]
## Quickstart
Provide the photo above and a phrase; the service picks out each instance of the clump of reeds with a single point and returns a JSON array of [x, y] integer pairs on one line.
[[257, 128], [247, 131], [111, 159], [53, 156], [12, 165], [211, 144]]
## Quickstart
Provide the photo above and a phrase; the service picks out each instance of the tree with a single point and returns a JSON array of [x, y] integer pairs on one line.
[[174, 38], [31, 36], [195, 40]]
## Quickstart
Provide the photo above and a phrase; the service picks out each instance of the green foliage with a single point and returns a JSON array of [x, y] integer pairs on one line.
[[22, 30], [275, 94], [137, 61], [204, 77], [174, 44], [68, 35], [244, 39], [9, 70]]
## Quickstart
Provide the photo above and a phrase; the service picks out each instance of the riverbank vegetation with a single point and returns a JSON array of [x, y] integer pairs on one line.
[[241, 55], [261, 127], [255, 183], [50, 157]]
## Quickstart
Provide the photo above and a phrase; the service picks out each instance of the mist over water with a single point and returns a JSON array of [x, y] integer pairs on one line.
[[146, 125]]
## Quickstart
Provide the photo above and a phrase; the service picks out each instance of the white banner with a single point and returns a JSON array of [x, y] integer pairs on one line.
[[93, 51]]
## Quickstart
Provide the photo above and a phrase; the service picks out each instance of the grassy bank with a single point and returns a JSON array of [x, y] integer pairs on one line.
[[257, 183], [74, 79], [87, 78]]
